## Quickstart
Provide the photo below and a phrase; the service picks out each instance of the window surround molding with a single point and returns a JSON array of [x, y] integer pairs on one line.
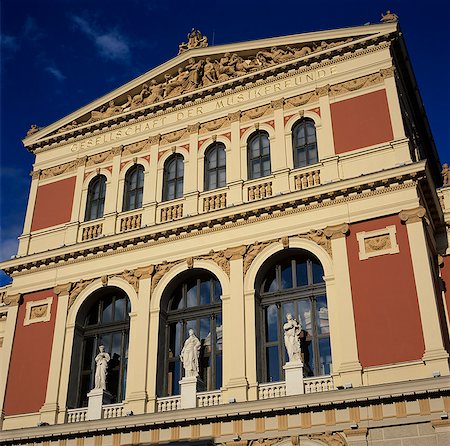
[[377, 243], [84, 192], [160, 170], [31, 318], [244, 147], [288, 136], [123, 172], [206, 144]]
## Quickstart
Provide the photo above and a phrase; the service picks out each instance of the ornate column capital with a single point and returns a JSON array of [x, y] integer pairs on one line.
[[60, 290], [155, 139], [336, 231], [35, 174], [236, 116], [235, 253], [323, 91], [387, 72], [117, 150], [412, 215], [11, 299], [277, 104], [193, 128]]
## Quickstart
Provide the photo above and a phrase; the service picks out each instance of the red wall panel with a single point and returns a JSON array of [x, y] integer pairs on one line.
[[361, 122], [53, 204], [387, 318], [30, 360]]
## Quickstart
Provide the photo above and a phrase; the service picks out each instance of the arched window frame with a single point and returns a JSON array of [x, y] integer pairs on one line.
[[304, 153], [133, 188], [95, 201], [218, 172], [314, 293], [177, 322], [261, 159], [93, 328], [176, 160]]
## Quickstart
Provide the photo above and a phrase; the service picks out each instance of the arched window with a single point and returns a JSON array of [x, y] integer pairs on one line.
[[215, 168], [134, 188], [96, 198], [292, 282], [102, 320], [192, 302], [258, 155], [304, 143], [173, 177]]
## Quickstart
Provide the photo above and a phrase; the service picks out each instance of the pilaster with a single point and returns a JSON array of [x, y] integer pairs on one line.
[[152, 366], [392, 95], [49, 411], [435, 356], [234, 172], [136, 395], [234, 335], [150, 179], [346, 365], [112, 189], [6, 350], [325, 139]]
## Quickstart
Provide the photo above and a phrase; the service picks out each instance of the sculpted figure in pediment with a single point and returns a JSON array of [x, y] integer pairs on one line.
[[71, 126], [195, 40], [300, 52], [209, 73], [156, 93], [105, 112]]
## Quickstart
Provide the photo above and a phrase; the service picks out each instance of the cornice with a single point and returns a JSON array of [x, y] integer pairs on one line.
[[217, 91], [271, 209]]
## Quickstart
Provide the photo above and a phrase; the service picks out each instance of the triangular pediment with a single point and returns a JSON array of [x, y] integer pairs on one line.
[[204, 70]]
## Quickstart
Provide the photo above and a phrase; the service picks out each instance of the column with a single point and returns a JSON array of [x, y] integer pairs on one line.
[[278, 158], [136, 394], [49, 411], [5, 356], [24, 239], [152, 365], [250, 344], [71, 230], [435, 356], [234, 335], [346, 366], [150, 184], [234, 172]]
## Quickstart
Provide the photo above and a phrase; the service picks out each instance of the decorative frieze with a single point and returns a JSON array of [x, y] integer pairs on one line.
[[132, 149], [234, 117], [301, 99], [356, 84], [257, 112], [59, 170], [99, 158], [323, 90], [172, 137], [376, 243], [38, 311], [216, 124]]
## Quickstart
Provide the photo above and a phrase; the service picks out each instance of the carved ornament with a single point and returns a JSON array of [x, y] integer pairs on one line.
[[62, 289], [285, 242], [265, 441], [160, 270], [323, 91], [236, 116], [173, 136], [387, 72], [278, 104], [99, 158], [214, 125], [301, 99], [132, 149], [10, 299], [193, 128], [38, 311], [58, 170], [256, 112], [117, 150], [445, 174], [76, 289], [356, 84], [235, 253], [318, 236], [252, 251], [221, 260], [378, 243], [35, 174], [337, 231], [412, 215], [389, 16], [331, 439]]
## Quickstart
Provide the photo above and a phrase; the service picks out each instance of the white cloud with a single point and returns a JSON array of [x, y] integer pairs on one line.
[[9, 42], [110, 45], [31, 30], [55, 72]]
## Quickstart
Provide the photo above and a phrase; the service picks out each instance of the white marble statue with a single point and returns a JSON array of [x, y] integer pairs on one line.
[[292, 331], [101, 368], [190, 354]]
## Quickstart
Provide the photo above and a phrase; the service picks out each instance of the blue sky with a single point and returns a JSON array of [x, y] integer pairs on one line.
[[58, 55]]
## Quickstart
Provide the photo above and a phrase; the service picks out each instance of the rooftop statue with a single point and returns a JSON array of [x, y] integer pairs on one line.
[[195, 40], [389, 16]]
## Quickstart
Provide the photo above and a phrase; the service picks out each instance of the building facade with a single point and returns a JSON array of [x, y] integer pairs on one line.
[[219, 192]]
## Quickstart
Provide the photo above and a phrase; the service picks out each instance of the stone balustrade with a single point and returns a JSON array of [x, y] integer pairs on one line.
[[305, 180], [130, 222], [258, 191], [92, 231]]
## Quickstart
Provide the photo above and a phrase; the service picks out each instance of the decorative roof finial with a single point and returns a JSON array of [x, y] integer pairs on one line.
[[195, 40], [33, 129], [389, 16]]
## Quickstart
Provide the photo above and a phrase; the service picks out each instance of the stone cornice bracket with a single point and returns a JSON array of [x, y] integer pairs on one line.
[[277, 104], [323, 91], [11, 299], [190, 262], [155, 139], [193, 128], [285, 242], [412, 215], [60, 290], [35, 174], [236, 116], [336, 231]]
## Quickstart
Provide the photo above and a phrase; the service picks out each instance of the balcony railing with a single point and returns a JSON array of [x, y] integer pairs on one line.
[[130, 222], [92, 231], [319, 384], [271, 390], [76, 415], [213, 202], [171, 212], [108, 411], [304, 180], [260, 190], [168, 403], [207, 399]]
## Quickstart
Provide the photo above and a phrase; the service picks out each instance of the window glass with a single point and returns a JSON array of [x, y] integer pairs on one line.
[[286, 275], [304, 143], [134, 187], [272, 323], [95, 198], [273, 372], [302, 273], [107, 310], [323, 326], [258, 154], [173, 177]]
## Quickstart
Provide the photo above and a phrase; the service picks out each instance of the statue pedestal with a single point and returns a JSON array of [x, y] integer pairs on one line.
[[189, 386], [294, 378], [96, 399]]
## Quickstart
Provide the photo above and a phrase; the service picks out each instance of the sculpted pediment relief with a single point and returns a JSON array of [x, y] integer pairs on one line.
[[197, 68]]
